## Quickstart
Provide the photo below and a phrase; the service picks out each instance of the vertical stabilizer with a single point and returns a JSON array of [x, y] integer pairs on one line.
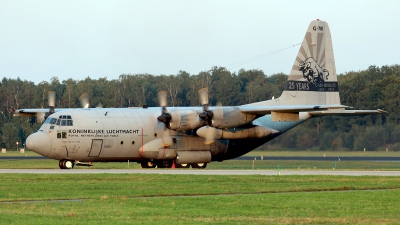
[[313, 79]]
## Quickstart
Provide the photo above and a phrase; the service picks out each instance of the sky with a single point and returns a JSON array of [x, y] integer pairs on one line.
[[77, 39]]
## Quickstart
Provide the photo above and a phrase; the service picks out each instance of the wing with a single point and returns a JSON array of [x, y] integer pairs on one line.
[[29, 112], [34, 112]]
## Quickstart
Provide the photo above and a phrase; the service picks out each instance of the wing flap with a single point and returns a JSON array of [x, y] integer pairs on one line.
[[267, 109]]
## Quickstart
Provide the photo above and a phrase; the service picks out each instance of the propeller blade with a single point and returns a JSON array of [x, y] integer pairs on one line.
[[210, 135], [52, 98], [52, 104], [203, 94], [165, 117], [162, 98], [99, 105], [84, 99], [218, 115]]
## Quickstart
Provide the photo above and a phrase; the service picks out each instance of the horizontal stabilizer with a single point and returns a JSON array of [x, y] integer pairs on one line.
[[267, 109], [346, 112]]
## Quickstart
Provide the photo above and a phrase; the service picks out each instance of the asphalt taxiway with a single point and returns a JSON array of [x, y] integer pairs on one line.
[[202, 172]]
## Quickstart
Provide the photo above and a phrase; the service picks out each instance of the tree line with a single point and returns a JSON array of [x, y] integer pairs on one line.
[[373, 88]]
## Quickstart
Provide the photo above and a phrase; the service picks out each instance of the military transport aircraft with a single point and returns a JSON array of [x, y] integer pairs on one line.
[[194, 136]]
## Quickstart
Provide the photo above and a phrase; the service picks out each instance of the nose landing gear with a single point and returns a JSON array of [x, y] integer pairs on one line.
[[70, 164], [66, 164]]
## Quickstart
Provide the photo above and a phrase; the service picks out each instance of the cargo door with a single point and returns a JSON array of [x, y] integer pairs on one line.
[[96, 148]]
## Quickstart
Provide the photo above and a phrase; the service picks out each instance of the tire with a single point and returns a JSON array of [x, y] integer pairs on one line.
[[185, 165], [147, 165], [66, 164], [164, 164], [199, 165]]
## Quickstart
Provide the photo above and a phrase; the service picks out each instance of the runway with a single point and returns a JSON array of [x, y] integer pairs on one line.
[[309, 158], [203, 172]]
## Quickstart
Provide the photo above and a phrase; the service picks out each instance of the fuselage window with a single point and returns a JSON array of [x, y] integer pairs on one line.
[[64, 134], [61, 134]]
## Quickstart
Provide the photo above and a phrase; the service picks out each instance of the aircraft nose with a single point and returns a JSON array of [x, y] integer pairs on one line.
[[39, 142]]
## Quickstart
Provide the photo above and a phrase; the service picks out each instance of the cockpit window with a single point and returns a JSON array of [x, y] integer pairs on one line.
[[51, 120], [63, 120]]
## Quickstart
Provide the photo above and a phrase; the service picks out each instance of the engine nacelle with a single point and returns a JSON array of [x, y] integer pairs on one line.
[[193, 157], [230, 117], [158, 149], [253, 132], [184, 120]]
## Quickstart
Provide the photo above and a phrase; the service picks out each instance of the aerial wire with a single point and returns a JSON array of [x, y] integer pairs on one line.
[[236, 64]]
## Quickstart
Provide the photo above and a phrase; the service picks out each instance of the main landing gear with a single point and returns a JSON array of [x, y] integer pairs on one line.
[[169, 164]]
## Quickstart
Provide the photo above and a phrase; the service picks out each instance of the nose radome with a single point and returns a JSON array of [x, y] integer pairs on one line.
[[39, 142]]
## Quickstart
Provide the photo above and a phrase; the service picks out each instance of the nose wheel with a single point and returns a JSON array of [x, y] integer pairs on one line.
[[66, 164]]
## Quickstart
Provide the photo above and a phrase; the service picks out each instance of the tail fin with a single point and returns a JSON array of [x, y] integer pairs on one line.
[[313, 79]]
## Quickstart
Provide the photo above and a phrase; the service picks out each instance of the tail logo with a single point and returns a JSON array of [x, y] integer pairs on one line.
[[312, 72], [315, 78]]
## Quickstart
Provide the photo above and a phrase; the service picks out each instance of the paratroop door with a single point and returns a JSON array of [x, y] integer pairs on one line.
[[96, 147]]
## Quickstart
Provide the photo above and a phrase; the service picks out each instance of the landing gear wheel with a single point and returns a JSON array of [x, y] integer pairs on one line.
[[184, 165], [147, 165], [164, 164], [199, 165], [66, 164]]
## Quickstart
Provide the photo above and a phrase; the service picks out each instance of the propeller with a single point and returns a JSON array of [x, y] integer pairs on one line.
[[207, 115], [84, 100], [165, 117], [210, 117], [210, 135], [99, 105], [52, 103]]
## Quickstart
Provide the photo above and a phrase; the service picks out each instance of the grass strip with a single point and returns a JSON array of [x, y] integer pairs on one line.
[[250, 199]]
